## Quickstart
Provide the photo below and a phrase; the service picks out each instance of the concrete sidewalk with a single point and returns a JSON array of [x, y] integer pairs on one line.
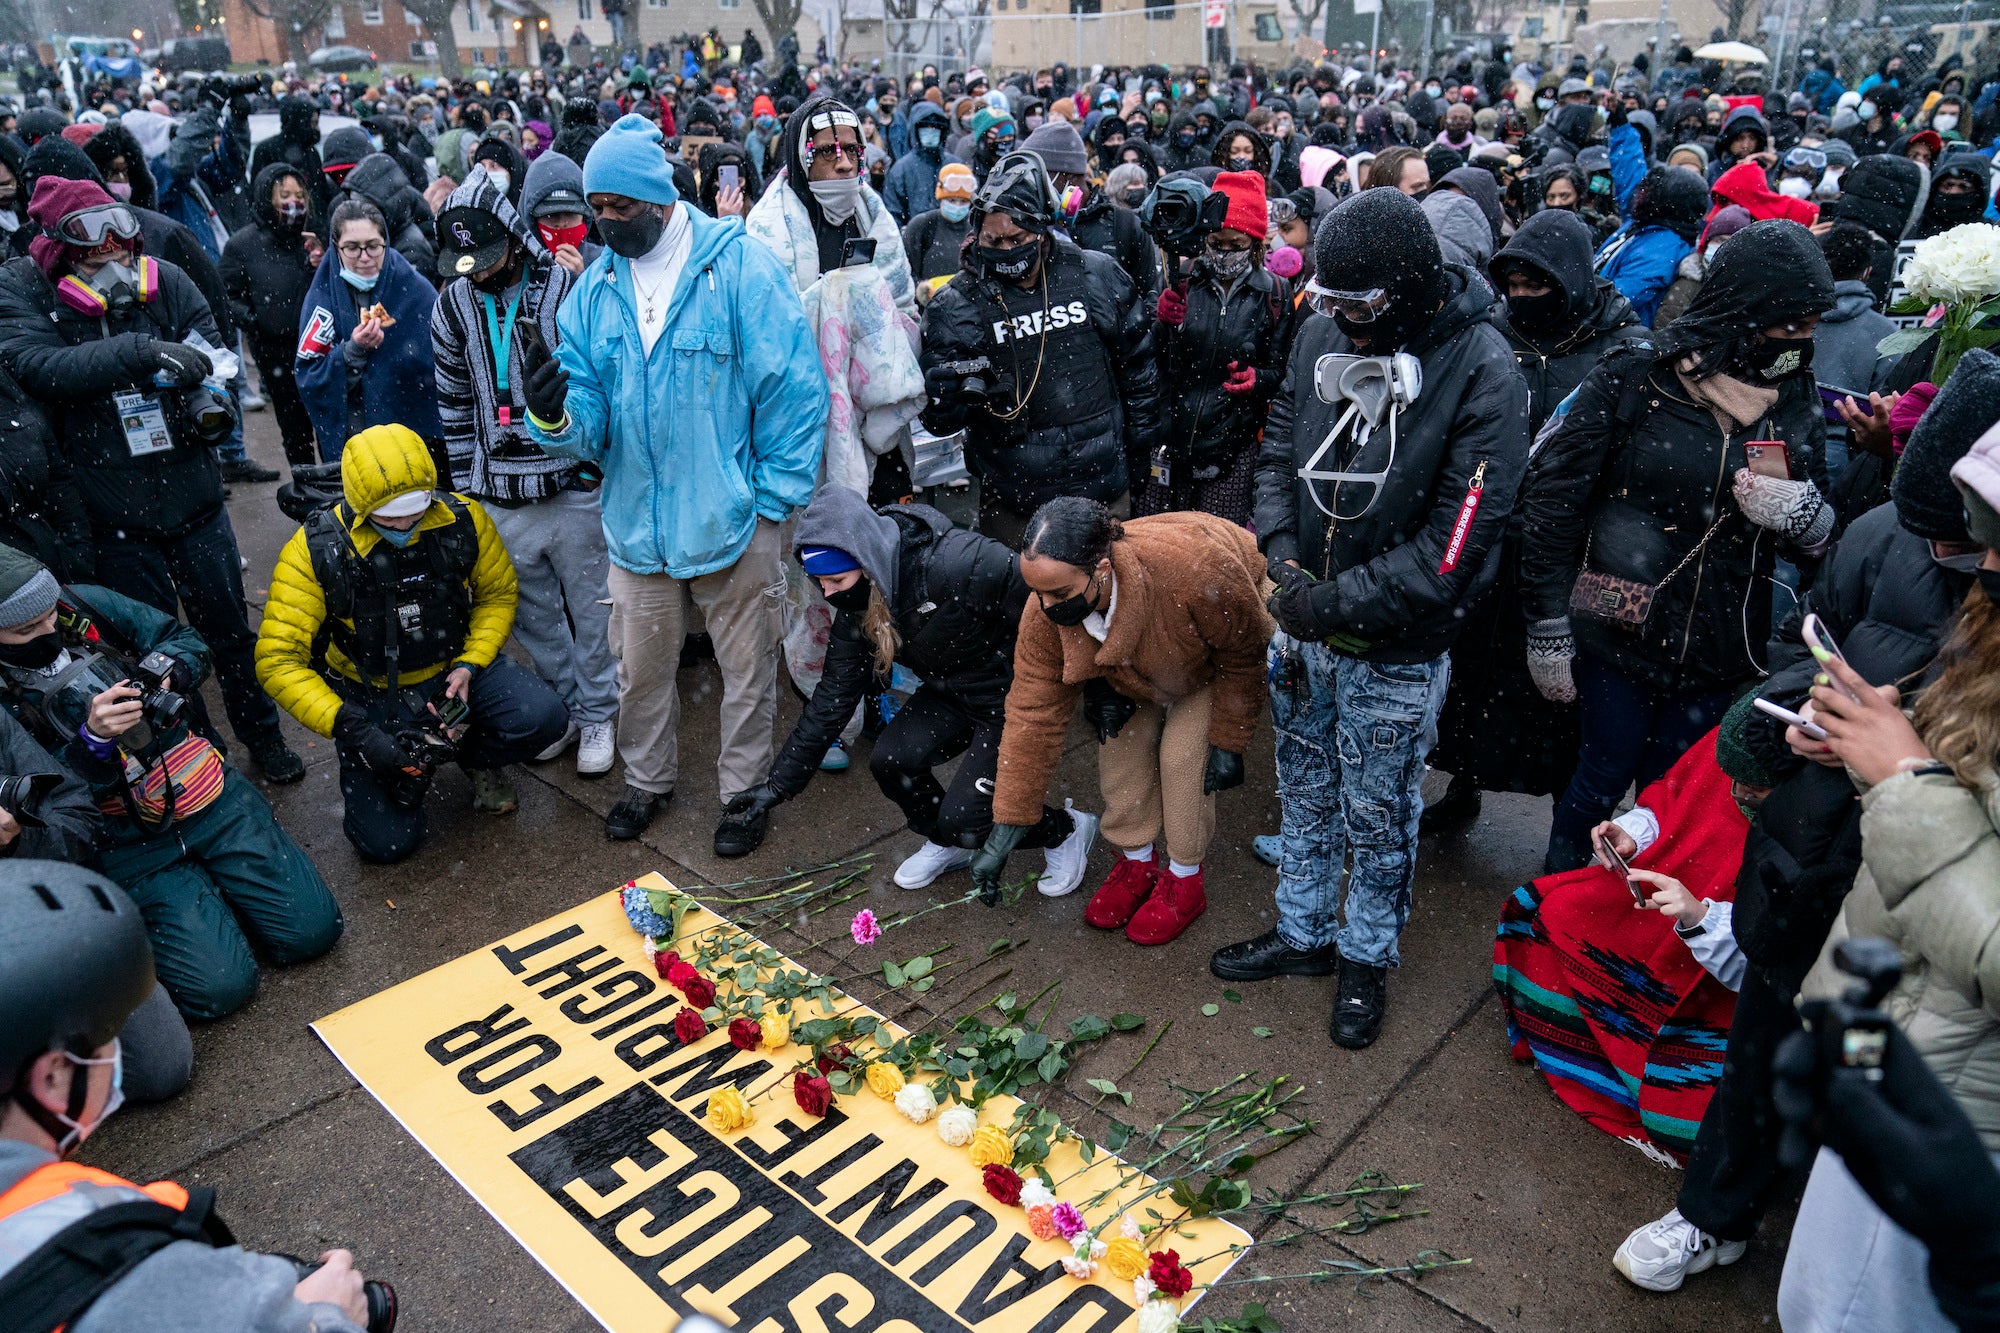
[[304, 1160]]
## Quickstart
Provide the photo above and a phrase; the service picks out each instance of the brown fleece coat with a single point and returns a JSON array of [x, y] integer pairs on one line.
[[1190, 614]]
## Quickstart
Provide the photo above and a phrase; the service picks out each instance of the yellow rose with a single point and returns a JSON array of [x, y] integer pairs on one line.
[[885, 1080], [1126, 1258], [777, 1031], [727, 1111], [992, 1147]]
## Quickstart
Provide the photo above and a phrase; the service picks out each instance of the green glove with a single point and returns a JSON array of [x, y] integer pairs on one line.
[[991, 859], [1225, 770]]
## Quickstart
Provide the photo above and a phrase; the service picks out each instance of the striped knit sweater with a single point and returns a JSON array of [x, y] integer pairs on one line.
[[489, 460]]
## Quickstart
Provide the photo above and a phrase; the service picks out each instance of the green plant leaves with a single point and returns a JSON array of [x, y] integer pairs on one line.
[[1210, 1010], [1261, 1032], [1089, 1027], [1234, 997], [893, 975], [1126, 1022], [1030, 1046]]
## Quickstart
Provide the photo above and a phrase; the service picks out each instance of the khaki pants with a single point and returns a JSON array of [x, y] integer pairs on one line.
[[649, 615], [1151, 775]]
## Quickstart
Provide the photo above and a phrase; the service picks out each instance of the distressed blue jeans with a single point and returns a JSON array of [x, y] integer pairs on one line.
[[1352, 737]]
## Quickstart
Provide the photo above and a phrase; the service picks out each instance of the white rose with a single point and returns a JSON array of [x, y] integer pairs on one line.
[[1956, 266], [957, 1124], [1081, 1269], [914, 1100], [1159, 1316], [1034, 1194]]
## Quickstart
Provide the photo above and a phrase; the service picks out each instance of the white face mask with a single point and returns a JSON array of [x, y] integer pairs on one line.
[[1795, 187], [1963, 564], [1945, 123], [500, 178], [837, 198], [79, 1131], [1829, 184]]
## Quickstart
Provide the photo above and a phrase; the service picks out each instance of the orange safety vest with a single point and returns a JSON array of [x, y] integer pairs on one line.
[[57, 1178]]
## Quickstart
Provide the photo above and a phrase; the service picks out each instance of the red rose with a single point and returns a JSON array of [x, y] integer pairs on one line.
[[665, 961], [745, 1033], [689, 1027], [700, 991], [1168, 1275], [836, 1057], [1004, 1184], [813, 1093], [678, 973]]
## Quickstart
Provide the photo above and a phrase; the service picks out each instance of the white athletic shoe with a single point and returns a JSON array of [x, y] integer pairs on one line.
[[563, 742], [1660, 1255], [594, 751], [253, 402], [1066, 858], [928, 862]]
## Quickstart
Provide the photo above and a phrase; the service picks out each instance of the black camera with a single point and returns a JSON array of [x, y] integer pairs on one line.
[[21, 793], [429, 746], [154, 676], [381, 1297], [1181, 213], [972, 376], [210, 413]]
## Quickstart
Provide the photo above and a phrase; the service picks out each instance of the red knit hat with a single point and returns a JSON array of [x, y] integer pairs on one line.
[[1247, 213]]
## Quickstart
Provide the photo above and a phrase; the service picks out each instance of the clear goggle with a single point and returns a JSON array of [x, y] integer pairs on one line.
[[94, 225], [1806, 157], [1358, 307]]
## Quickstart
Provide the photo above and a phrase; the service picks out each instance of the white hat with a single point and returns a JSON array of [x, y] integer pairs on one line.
[[403, 506]]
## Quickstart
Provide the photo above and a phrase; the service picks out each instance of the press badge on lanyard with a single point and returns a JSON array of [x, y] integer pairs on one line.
[[145, 423], [1462, 528]]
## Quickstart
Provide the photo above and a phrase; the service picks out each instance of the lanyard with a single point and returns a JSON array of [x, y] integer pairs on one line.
[[502, 342]]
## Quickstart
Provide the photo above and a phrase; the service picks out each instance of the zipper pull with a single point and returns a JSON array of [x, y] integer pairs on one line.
[[1479, 476]]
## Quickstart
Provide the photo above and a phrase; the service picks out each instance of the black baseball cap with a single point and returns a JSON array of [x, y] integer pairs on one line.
[[470, 239]]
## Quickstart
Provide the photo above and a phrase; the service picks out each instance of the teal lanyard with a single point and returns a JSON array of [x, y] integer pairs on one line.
[[502, 340]]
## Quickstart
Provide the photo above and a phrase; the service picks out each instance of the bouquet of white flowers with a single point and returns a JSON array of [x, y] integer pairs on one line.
[[1960, 271]]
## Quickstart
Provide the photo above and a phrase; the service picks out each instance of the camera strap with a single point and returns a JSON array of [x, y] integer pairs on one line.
[[64, 1276], [384, 566]]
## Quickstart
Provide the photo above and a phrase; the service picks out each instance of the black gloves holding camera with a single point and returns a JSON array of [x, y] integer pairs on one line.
[[381, 752]]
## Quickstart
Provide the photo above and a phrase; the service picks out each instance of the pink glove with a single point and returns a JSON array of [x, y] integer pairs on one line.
[[1172, 307], [1907, 412], [1239, 380]]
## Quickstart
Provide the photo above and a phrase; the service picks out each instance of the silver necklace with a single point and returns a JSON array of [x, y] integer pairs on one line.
[[650, 298]]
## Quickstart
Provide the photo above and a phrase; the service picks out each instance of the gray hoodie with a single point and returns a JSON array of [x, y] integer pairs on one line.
[[552, 173], [842, 519], [1844, 343], [1463, 233], [189, 1287]]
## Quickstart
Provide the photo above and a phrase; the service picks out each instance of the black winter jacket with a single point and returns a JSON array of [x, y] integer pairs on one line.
[[959, 598], [379, 180], [72, 364], [1891, 606], [1110, 230], [41, 509], [1554, 369], [1079, 347], [1253, 326], [265, 273], [1393, 580], [1634, 499], [932, 242]]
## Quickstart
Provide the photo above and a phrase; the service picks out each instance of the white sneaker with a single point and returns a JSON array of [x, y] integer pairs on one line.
[[594, 751], [1065, 860], [1660, 1255], [253, 402], [928, 862], [567, 739]]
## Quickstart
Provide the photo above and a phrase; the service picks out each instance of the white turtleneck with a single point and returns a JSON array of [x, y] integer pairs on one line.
[[657, 273]]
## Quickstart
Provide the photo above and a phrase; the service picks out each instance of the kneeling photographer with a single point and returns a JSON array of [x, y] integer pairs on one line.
[[401, 582], [105, 684]]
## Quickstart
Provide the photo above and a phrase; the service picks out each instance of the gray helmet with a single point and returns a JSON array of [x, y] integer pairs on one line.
[[74, 962]]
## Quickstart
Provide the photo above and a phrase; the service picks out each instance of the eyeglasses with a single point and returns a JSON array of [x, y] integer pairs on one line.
[[1359, 307], [358, 249], [92, 226]]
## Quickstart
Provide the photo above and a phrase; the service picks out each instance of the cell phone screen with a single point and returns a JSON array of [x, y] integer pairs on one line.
[[1622, 866]]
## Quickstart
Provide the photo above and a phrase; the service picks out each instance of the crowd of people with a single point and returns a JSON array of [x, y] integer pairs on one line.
[[1566, 428]]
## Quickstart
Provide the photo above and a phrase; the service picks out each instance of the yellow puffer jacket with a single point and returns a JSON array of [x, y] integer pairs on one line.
[[378, 465]]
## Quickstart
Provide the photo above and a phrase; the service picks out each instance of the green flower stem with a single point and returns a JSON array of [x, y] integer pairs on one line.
[[1331, 1270], [1133, 1068], [865, 860]]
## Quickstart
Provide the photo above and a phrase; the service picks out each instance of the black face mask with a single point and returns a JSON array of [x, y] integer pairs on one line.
[[1775, 358], [634, 238], [1989, 583], [35, 654], [1242, 164], [1538, 314], [851, 601], [1954, 209], [1072, 610], [1009, 261], [1135, 196], [501, 278], [1185, 138]]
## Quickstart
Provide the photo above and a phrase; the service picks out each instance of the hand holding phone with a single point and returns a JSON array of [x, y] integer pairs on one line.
[[1614, 860], [1820, 642], [726, 176], [1786, 715]]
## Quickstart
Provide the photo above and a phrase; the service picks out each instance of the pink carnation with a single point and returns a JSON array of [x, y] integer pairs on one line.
[[1068, 1221], [865, 929]]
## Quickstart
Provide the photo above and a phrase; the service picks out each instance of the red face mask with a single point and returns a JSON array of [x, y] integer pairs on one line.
[[555, 237]]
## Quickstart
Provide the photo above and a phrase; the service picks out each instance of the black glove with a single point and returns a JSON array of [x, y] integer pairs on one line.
[[547, 390], [1225, 770], [380, 751], [1616, 116], [990, 860], [1292, 604], [761, 799], [185, 366], [1105, 708]]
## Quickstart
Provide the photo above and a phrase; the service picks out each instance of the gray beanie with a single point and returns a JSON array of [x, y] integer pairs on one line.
[[27, 589], [1060, 147]]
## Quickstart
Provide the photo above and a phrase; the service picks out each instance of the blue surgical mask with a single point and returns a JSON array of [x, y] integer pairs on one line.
[[1866, 111], [929, 136], [955, 210], [357, 282], [397, 537]]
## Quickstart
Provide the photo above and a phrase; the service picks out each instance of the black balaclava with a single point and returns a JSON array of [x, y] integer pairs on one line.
[[1770, 272], [1555, 246], [1381, 238], [1672, 197], [1944, 211]]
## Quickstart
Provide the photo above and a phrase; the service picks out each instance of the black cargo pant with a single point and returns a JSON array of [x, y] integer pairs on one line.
[[934, 728]]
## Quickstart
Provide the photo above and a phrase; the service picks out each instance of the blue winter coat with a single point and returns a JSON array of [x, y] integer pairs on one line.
[[397, 383], [910, 187], [722, 424], [1640, 262]]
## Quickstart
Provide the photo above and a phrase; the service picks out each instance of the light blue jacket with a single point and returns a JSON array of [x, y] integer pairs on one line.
[[721, 425]]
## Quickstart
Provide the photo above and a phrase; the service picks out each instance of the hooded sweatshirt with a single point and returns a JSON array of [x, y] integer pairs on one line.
[[911, 185], [265, 272], [379, 180], [549, 174]]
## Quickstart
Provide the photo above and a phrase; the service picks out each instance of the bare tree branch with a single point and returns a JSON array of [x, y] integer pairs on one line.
[[781, 17]]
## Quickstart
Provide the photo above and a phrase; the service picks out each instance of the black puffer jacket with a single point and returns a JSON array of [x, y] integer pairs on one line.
[[379, 180], [957, 606], [1079, 347], [297, 142], [1251, 326], [1110, 230], [1394, 581], [41, 509], [1598, 318], [1890, 606], [1633, 498], [264, 269], [932, 243], [72, 364]]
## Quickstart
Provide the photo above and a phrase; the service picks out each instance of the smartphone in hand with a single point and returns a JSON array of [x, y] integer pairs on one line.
[[1786, 715], [1622, 866], [1820, 642]]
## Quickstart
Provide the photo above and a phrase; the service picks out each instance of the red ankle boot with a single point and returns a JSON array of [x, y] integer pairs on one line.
[[1177, 900]]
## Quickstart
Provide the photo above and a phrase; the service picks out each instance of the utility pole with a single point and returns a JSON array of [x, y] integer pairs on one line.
[[1659, 61], [1777, 66], [1430, 19], [1375, 44]]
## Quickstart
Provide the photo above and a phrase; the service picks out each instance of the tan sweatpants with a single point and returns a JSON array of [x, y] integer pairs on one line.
[[649, 615], [1151, 773]]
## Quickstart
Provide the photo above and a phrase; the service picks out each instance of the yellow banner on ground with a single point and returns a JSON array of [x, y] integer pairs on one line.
[[543, 1072]]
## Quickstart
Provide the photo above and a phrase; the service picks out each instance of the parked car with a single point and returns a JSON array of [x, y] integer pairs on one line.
[[199, 55], [341, 59]]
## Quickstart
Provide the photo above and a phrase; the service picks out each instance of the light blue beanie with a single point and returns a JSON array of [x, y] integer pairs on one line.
[[627, 159]]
